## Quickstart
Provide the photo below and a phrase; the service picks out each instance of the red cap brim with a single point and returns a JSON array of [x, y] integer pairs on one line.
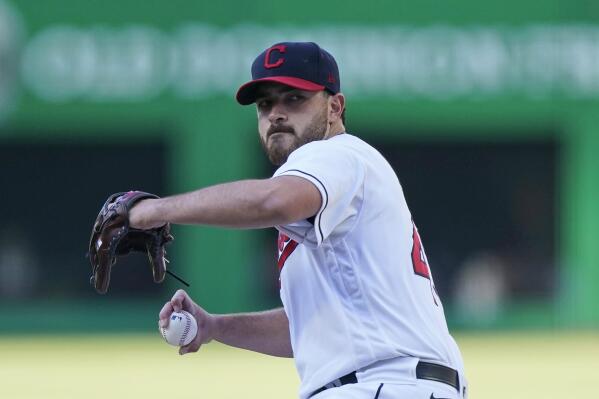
[[247, 93]]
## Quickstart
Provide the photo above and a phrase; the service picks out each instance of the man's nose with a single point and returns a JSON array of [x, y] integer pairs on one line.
[[277, 114]]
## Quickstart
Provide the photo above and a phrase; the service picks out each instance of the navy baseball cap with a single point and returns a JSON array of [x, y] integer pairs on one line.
[[302, 65]]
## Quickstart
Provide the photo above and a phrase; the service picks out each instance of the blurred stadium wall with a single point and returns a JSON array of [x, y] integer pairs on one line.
[[487, 110]]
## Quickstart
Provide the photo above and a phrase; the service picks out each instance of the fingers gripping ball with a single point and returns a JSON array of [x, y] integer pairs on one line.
[[181, 330]]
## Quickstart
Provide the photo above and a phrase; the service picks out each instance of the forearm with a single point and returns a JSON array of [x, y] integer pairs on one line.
[[264, 332], [240, 204]]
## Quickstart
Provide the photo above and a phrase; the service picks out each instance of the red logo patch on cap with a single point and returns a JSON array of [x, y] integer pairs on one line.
[[281, 48]]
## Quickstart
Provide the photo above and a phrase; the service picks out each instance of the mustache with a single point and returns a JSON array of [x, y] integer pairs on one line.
[[279, 129]]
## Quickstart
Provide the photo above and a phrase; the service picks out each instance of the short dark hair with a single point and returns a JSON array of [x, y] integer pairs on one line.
[[329, 94]]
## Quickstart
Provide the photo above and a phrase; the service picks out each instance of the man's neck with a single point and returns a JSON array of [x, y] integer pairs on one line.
[[335, 130]]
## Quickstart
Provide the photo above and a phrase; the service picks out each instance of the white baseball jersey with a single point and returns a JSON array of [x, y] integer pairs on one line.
[[355, 282]]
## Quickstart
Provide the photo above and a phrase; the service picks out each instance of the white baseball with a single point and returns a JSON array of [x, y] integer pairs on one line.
[[181, 330]]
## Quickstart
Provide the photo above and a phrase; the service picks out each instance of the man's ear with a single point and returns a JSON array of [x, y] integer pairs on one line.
[[337, 105]]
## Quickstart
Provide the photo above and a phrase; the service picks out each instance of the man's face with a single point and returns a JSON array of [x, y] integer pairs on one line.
[[289, 118]]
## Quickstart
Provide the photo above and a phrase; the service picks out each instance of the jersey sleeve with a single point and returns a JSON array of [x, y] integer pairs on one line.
[[338, 174]]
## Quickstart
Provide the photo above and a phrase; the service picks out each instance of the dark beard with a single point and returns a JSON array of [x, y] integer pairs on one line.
[[315, 131]]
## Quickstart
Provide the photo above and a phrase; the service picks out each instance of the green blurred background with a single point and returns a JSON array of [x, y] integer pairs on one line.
[[488, 111]]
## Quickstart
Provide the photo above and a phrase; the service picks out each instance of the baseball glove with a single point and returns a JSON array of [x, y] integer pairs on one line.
[[113, 237]]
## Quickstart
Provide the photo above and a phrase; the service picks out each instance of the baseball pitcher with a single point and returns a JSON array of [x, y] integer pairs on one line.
[[361, 316]]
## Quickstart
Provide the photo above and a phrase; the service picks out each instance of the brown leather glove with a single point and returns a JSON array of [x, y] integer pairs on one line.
[[112, 237]]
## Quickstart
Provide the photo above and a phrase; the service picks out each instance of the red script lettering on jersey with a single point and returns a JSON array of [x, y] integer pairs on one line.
[[286, 246]]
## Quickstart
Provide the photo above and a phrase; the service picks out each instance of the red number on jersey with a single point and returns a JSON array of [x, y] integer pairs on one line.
[[420, 262]]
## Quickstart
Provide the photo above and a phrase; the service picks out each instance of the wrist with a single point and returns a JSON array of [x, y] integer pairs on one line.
[[209, 325], [143, 215]]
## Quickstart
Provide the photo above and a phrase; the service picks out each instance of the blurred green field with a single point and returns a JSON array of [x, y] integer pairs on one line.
[[499, 365]]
